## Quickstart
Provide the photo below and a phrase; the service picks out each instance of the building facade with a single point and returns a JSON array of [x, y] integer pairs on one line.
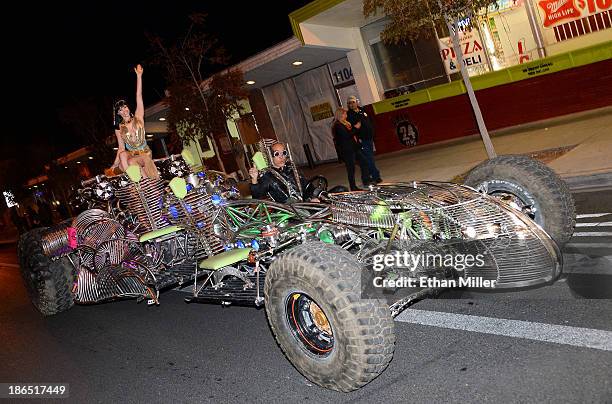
[[528, 60]]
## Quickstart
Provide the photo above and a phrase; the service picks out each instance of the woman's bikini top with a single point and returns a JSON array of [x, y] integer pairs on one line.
[[134, 140]]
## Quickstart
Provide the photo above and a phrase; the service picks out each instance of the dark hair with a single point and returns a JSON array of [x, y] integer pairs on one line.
[[117, 119]]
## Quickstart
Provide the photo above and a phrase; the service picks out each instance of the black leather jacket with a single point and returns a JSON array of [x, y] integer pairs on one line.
[[268, 185], [366, 132]]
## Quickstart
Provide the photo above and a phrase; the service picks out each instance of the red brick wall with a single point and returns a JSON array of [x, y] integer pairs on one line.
[[578, 89]]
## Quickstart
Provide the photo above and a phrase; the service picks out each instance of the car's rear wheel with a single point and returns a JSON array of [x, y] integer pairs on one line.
[[48, 282], [532, 187]]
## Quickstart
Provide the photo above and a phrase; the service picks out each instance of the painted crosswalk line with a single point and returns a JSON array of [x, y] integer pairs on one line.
[[558, 334]]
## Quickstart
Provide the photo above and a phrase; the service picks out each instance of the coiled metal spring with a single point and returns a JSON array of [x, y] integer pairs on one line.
[[56, 242]]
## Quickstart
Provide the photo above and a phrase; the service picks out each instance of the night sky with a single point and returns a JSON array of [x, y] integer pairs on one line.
[[59, 52]]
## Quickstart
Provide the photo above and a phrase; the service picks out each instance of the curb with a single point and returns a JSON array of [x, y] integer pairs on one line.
[[602, 180]]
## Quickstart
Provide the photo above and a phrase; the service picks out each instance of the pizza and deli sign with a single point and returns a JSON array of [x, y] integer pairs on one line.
[[471, 46], [560, 11]]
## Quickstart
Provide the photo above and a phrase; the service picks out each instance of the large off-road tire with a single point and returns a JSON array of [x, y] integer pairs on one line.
[[328, 332], [529, 183], [48, 282]]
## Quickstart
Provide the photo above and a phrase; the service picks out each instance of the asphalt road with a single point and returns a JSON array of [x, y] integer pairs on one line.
[[552, 343]]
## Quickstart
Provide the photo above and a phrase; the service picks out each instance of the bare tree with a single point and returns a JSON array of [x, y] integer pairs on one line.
[[410, 19], [199, 104]]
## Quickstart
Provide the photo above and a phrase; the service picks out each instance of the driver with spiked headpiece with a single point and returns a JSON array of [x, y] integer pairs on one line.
[[282, 182]]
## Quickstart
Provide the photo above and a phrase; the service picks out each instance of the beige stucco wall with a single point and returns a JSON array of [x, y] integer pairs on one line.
[[350, 39], [579, 42]]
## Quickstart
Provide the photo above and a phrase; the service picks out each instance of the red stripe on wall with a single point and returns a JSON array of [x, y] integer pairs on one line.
[[578, 89]]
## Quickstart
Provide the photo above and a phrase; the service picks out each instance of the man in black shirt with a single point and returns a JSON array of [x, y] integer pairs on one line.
[[365, 132]]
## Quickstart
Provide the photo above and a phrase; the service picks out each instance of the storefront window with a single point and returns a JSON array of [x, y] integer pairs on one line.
[[507, 35], [503, 36], [407, 67], [499, 38]]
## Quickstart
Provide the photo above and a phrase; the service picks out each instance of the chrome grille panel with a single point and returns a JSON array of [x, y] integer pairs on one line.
[[110, 283], [195, 213], [144, 200], [519, 252]]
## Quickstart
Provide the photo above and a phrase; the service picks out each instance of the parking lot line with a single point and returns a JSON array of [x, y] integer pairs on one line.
[[558, 334]]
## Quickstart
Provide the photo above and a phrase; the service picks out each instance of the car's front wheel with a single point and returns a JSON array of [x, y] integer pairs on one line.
[[328, 332]]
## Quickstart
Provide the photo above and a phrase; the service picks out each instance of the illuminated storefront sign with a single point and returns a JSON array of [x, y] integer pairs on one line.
[[473, 52], [560, 11]]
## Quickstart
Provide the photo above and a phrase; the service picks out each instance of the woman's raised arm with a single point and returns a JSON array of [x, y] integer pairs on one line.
[[139, 113]]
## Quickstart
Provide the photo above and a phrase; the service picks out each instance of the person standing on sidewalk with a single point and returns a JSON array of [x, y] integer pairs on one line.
[[348, 145], [365, 133]]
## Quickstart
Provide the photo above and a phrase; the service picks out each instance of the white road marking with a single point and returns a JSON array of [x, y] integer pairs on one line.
[[594, 224], [593, 234], [603, 257], [588, 245], [592, 215], [558, 334]]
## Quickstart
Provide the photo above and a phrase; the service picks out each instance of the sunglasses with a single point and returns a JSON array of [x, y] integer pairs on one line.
[[278, 153], [120, 104]]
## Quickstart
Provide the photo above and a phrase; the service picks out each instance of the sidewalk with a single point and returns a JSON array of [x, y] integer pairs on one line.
[[589, 133]]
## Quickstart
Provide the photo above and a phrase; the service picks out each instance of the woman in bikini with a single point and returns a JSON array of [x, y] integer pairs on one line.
[[129, 128]]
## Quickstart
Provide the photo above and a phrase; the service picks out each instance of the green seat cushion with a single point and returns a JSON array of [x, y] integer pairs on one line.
[[158, 233], [225, 259], [133, 172], [178, 187]]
